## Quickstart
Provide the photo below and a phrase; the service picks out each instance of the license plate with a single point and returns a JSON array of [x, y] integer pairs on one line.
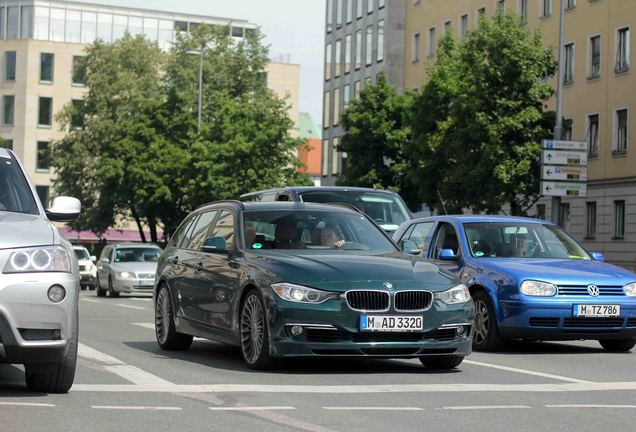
[[391, 323], [596, 311]]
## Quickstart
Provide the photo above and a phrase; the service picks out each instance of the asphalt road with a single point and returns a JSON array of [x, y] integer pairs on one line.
[[124, 382]]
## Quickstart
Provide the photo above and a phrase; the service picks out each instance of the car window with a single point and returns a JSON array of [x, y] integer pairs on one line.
[[224, 227], [105, 252], [181, 232], [82, 254], [420, 234], [136, 254], [200, 230], [15, 193], [445, 238]]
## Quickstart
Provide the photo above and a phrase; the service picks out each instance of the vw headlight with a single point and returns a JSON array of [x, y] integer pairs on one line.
[[302, 294], [455, 295], [630, 289], [125, 275], [537, 289], [38, 259]]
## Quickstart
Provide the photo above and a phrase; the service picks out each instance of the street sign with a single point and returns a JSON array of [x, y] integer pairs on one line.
[[563, 189], [564, 157], [571, 173], [564, 145]]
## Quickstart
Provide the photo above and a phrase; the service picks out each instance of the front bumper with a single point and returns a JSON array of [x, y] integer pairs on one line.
[[333, 329], [553, 319], [133, 285], [32, 328], [87, 279]]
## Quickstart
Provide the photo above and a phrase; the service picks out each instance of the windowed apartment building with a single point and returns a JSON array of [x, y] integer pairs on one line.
[[599, 100], [362, 39]]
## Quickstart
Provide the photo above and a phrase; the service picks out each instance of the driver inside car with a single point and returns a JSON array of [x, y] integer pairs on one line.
[[328, 237]]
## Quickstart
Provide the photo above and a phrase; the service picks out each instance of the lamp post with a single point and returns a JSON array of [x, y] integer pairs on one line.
[[200, 53], [558, 126]]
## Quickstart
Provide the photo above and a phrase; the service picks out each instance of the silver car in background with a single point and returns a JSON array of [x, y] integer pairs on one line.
[[39, 283], [127, 268]]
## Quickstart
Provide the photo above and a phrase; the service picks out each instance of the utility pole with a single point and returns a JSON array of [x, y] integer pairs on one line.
[[200, 91], [558, 126]]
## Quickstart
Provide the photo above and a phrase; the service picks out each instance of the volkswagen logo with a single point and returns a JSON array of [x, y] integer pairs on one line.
[[593, 290], [389, 286]]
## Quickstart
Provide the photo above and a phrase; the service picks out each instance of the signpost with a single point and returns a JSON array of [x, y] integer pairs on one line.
[[564, 168]]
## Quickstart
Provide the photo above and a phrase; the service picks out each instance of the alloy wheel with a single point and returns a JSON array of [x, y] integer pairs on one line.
[[162, 316], [252, 329], [482, 321]]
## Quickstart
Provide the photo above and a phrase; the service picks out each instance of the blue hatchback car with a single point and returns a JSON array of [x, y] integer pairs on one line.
[[529, 279]]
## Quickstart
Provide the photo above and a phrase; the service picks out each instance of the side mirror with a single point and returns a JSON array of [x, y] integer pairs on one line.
[[447, 255], [93, 258], [598, 256], [105, 260], [410, 247], [214, 245], [64, 209]]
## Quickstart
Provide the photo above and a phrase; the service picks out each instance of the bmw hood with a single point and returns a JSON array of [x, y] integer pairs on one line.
[[344, 270], [24, 230]]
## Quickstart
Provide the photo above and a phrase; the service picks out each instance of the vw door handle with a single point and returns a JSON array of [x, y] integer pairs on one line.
[[175, 260], [199, 267]]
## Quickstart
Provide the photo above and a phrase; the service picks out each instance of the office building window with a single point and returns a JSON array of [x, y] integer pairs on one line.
[[448, 27], [336, 106], [619, 219], [590, 231], [369, 52], [7, 143], [358, 48], [623, 48], [328, 62], [523, 10], [43, 194], [595, 57], [568, 76], [359, 8], [77, 118], [546, 8], [568, 124], [41, 23], [43, 156], [26, 22], [415, 48], [329, 15], [564, 217], [46, 67], [541, 211], [348, 52], [334, 156], [56, 26], [368, 81], [8, 108], [501, 5], [370, 6], [325, 157], [463, 25], [338, 59], [136, 25], [45, 111], [12, 22], [105, 27], [338, 13], [592, 134], [622, 131], [346, 95], [326, 110], [73, 26], [381, 4], [570, 4], [481, 13], [79, 70], [432, 43], [380, 56], [9, 65], [89, 27], [349, 12], [356, 89]]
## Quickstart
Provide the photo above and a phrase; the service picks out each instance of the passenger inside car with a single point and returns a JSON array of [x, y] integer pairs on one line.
[[286, 236]]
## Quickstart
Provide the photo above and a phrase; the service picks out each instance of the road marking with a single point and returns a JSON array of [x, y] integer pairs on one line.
[[485, 407], [90, 300], [252, 408], [136, 408], [28, 404], [359, 389], [527, 372], [150, 326], [130, 306], [589, 406], [89, 353], [373, 408], [141, 299]]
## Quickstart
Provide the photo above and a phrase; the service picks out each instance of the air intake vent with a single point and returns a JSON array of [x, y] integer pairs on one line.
[[368, 300], [413, 300], [544, 322], [593, 322]]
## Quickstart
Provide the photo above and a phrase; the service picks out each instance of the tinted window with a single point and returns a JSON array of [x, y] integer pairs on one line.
[[137, 254], [15, 193], [181, 232], [224, 227], [420, 234], [201, 228]]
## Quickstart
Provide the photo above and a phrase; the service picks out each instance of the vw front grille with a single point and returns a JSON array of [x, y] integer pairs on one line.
[[581, 290]]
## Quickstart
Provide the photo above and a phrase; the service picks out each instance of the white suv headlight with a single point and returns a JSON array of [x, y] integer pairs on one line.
[[302, 294], [455, 295], [537, 289], [630, 289], [38, 259]]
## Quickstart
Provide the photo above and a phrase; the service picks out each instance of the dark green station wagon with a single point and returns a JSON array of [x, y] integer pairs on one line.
[[290, 279]]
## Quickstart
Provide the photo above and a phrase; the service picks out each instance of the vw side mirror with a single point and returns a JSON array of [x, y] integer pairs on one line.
[[105, 260], [447, 255], [598, 256], [410, 247], [93, 258]]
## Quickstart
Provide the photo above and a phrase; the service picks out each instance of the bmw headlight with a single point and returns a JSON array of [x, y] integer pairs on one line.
[[38, 259], [302, 294], [630, 289], [125, 275], [455, 295], [537, 289]]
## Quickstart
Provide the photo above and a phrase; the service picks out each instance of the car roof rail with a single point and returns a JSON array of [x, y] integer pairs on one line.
[[227, 201]]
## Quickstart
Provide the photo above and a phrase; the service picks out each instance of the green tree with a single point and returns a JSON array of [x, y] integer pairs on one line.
[[479, 121], [376, 127]]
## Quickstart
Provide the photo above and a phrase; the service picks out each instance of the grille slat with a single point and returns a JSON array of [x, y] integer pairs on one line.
[[413, 300], [565, 290], [368, 300], [631, 322], [592, 322]]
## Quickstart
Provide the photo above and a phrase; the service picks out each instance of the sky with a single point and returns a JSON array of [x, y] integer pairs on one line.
[[292, 28]]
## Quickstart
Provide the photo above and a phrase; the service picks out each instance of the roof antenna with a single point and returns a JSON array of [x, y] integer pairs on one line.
[[441, 200]]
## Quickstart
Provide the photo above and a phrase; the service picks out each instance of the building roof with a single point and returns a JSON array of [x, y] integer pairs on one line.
[[307, 127]]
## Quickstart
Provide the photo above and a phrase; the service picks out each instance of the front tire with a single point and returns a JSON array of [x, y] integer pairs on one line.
[[98, 289], [111, 290], [254, 333], [618, 345], [165, 329], [442, 362], [486, 336]]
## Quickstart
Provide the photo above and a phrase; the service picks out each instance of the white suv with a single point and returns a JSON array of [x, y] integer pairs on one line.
[[87, 267], [39, 282]]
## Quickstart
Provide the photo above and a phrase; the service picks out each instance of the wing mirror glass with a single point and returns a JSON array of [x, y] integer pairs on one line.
[[410, 247], [447, 255], [64, 209]]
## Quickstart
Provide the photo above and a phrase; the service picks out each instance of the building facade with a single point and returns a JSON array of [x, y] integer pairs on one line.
[[599, 99], [362, 39], [310, 151]]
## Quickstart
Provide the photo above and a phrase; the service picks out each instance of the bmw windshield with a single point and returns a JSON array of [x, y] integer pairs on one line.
[[15, 193], [521, 240], [318, 230]]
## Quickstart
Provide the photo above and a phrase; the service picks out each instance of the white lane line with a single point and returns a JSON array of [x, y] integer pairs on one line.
[[144, 299], [27, 404], [150, 326], [136, 408], [89, 353], [589, 406], [359, 389], [252, 408], [344, 408], [527, 372], [130, 306], [90, 300], [485, 407]]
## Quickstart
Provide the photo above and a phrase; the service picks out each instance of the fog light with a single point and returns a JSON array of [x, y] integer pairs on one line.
[[56, 293], [296, 330], [460, 330]]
